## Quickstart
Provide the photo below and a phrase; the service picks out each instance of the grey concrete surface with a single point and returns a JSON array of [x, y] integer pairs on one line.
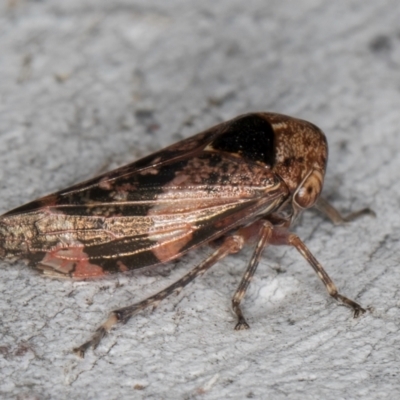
[[88, 85]]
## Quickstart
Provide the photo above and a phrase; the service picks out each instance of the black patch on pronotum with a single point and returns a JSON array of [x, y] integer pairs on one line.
[[251, 136]]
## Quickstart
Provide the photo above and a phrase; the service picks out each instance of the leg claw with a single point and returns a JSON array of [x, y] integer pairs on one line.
[[242, 325], [93, 342], [359, 311]]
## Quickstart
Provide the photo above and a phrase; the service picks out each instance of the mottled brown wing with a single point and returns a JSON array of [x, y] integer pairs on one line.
[[148, 212]]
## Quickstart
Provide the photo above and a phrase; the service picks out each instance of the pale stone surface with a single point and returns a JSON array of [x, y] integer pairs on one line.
[[88, 85]]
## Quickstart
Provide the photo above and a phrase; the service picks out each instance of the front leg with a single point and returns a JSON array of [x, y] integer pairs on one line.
[[335, 216], [283, 237]]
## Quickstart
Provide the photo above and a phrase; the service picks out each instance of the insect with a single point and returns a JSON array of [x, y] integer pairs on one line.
[[242, 181]]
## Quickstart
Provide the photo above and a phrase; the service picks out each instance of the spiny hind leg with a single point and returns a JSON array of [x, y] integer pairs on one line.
[[231, 244]]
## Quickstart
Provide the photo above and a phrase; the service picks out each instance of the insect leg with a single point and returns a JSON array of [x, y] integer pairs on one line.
[[265, 234], [283, 237], [231, 244], [336, 217]]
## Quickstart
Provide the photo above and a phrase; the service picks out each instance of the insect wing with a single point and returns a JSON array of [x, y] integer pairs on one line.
[[146, 213]]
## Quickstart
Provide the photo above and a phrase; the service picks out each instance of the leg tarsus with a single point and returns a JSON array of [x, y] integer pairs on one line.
[[357, 214], [358, 310], [334, 215], [93, 342], [242, 325], [98, 335]]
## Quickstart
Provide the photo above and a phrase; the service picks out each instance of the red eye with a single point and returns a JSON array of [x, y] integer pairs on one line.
[[309, 190]]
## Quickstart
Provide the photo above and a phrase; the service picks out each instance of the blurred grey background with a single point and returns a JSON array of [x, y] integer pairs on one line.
[[88, 85]]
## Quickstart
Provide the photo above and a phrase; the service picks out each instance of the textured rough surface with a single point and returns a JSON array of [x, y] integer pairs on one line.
[[86, 86]]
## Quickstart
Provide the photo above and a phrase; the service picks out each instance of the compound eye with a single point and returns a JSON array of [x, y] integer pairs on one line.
[[308, 192]]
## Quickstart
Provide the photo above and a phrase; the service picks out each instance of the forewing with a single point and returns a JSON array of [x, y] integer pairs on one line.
[[148, 212]]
